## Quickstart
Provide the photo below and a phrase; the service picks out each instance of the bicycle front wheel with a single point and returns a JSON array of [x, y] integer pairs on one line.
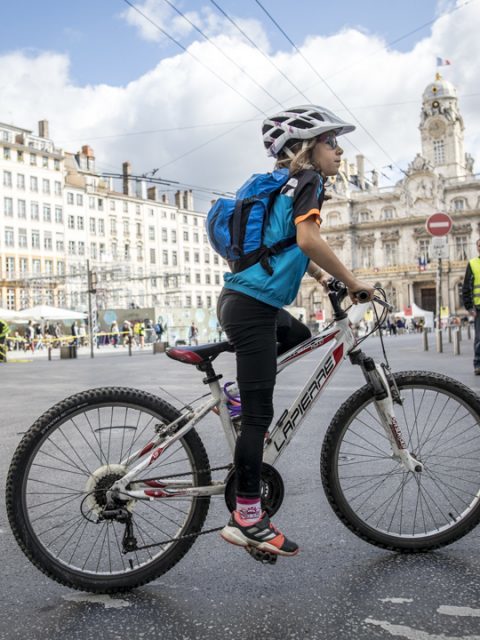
[[58, 481], [373, 494]]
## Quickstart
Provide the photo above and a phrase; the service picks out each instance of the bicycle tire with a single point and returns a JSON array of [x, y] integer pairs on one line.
[[92, 420], [375, 497]]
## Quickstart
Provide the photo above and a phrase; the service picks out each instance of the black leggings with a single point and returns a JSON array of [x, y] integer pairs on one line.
[[259, 332]]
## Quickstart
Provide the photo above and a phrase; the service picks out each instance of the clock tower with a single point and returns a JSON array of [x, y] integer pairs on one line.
[[441, 128]]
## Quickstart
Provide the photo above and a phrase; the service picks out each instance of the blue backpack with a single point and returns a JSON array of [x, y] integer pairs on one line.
[[235, 227]]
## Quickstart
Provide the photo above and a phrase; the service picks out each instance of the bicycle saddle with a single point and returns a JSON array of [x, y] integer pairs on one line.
[[202, 353]]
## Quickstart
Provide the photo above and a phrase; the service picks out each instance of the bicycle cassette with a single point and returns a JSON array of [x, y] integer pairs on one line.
[[272, 490]]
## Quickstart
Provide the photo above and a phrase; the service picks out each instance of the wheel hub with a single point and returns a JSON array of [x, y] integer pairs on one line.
[[271, 490], [101, 480]]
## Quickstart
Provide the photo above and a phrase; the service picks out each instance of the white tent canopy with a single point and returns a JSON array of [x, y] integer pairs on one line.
[[418, 312], [11, 316], [45, 312]]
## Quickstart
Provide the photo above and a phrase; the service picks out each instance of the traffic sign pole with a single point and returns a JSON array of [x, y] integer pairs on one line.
[[438, 225]]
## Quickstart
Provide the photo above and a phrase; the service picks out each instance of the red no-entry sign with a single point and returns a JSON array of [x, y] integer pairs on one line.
[[438, 224]]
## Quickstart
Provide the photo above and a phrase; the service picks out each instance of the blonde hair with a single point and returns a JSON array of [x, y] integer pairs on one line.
[[297, 157]]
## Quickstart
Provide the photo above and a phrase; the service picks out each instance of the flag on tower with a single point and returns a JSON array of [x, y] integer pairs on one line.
[[443, 62]]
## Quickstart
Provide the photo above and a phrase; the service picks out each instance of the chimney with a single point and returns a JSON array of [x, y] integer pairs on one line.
[[141, 189], [127, 172], [178, 202], [361, 171], [189, 200], [152, 193], [164, 198], [87, 152], [43, 131]]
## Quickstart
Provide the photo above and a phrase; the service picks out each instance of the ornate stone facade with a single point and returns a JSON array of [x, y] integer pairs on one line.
[[380, 231]]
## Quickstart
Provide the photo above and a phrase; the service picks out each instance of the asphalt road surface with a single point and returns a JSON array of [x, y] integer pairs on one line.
[[338, 587]]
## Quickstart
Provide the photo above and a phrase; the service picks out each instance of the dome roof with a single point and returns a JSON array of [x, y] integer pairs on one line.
[[440, 88]]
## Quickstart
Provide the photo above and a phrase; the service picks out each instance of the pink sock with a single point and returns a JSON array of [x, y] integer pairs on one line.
[[249, 510]]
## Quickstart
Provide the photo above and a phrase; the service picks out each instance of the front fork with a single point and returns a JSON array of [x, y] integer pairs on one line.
[[386, 395]]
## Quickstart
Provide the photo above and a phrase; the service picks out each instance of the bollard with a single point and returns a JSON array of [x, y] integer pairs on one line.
[[469, 332], [425, 339], [460, 332], [449, 333], [49, 351], [456, 343], [130, 340], [439, 341]]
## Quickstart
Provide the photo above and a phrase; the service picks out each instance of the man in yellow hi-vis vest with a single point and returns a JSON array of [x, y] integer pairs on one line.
[[471, 300]]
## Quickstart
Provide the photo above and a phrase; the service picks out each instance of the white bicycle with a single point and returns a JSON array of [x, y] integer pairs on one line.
[[111, 487]]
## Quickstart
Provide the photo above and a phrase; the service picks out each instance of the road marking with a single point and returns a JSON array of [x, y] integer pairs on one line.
[[396, 600], [459, 611], [106, 600], [414, 634]]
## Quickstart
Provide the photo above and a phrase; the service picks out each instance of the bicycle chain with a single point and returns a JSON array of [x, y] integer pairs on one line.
[[188, 535]]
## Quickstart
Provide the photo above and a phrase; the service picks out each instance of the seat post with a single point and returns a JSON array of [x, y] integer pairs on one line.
[[208, 369]]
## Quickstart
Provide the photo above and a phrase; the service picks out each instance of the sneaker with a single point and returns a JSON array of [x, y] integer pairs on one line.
[[476, 371], [262, 535]]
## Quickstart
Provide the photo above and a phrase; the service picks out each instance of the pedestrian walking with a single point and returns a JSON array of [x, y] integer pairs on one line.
[[471, 301], [193, 335]]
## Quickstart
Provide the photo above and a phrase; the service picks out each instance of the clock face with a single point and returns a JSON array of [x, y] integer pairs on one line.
[[436, 128]]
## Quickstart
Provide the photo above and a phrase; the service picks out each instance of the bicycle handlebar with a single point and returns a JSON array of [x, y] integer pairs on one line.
[[336, 286]]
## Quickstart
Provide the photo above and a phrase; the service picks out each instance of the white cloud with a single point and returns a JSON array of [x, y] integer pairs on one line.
[[178, 92]]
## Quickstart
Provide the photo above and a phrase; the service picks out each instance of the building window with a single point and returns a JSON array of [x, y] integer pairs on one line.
[[164, 257], [8, 207], [69, 198], [195, 237], [45, 162], [164, 235], [423, 248], [46, 186], [112, 205], [388, 213], [10, 266], [34, 184], [91, 202], [101, 227], [174, 235], [20, 181], [35, 239], [93, 250], [34, 211], [33, 159], [22, 209], [22, 238], [71, 222], [188, 301], [23, 266], [100, 204], [151, 233], [93, 225], [49, 267], [461, 248], [139, 229], [9, 237], [391, 253], [7, 178], [187, 256], [58, 188], [198, 278], [36, 266], [59, 215], [60, 246], [113, 225], [81, 248], [199, 301], [174, 258], [438, 151], [152, 256], [47, 213], [126, 252], [126, 229], [80, 223], [47, 241], [196, 256], [11, 299], [56, 164], [125, 207], [366, 256], [71, 248], [459, 204]]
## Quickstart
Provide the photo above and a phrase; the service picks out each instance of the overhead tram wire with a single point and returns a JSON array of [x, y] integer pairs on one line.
[[307, 61], [185, 50], [279, 70], [254, 44], [225, 55]]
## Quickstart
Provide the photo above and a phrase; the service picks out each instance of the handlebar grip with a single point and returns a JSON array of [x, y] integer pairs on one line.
[[362, 296]]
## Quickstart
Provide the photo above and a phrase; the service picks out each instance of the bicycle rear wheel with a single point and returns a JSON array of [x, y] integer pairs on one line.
[[375, 497], [59, 476]]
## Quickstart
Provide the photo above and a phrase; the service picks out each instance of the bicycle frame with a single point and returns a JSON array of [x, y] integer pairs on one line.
[[340, 343]]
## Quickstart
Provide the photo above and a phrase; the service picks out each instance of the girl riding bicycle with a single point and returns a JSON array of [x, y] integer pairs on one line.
[[303, 140]]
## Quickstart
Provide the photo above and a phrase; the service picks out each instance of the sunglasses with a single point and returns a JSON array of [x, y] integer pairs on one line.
[[330, 139]]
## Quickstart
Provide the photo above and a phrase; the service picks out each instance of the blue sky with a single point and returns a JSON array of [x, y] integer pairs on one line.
[[103, 48], [103, 75]]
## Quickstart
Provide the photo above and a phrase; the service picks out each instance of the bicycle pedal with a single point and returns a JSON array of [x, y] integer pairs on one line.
[[265, 557]]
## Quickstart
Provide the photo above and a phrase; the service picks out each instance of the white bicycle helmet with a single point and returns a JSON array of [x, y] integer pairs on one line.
[[300, 123]]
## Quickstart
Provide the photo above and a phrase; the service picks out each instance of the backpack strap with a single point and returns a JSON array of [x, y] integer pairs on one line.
[[261, 255]]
